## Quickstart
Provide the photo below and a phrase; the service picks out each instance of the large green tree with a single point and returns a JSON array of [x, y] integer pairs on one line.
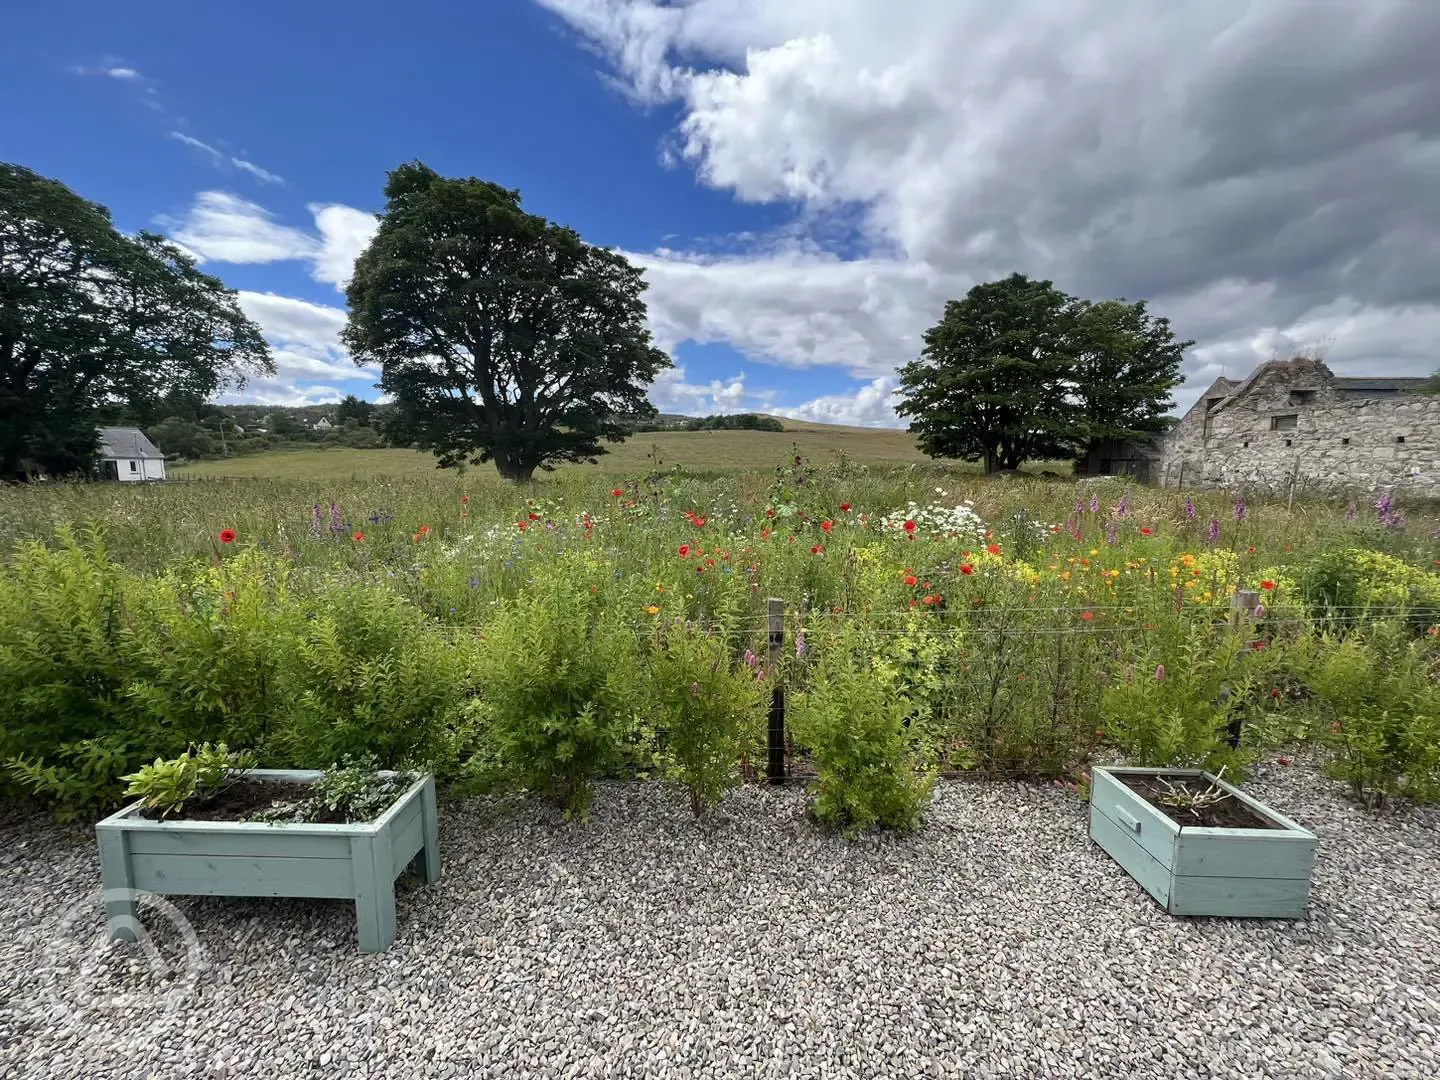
[[96, 325], [990, 381], [1127, 362], [1018, 370], [501, 336]]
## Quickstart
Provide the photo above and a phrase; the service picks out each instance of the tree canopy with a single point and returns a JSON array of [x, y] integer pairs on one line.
[[501, 336], [95, 325], [1017, 371]]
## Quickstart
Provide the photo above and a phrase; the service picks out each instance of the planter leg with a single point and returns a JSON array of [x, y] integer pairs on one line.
[[374, 892], [122, 917], [429, 816]]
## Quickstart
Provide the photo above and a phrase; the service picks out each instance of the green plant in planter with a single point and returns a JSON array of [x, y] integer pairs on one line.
[[167, 786], [351, 791], [708, 708]]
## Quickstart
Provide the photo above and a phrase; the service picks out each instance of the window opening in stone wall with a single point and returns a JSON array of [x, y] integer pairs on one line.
[[1399, 438], [1344, 442], [1245, 445], [1289, 422], [1301, 397], [1289, 442]]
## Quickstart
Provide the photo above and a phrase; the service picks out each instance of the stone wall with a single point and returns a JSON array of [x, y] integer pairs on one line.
[[1337, 443]]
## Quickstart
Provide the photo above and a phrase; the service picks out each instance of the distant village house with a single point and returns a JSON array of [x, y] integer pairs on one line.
[[128, 456], [1293, 423]]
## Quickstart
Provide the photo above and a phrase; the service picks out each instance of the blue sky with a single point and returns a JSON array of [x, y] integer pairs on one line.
[[805, 184]]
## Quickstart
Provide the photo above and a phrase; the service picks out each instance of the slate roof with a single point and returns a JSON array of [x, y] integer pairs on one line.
[[1343, 383], [128, 443]]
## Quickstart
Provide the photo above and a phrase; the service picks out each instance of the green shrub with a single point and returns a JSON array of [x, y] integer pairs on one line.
[[1180, 711], [855, 722], [1347, 586], [368, 676], [708, 707], [1381, 702], [562, 682]]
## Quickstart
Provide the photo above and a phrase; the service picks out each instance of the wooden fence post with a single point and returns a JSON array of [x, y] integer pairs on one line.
[[1242, 613], [775, 738]]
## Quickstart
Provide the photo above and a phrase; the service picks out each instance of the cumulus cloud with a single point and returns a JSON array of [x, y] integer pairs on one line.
[[673, 394], [873, 405], [305, 345], [1264, 174], [227, 228]]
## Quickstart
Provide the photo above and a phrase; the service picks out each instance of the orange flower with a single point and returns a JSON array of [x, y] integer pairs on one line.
[[993, 549], [1145, 530], [358, 537], [1267, 585], [932, 600], [764, 534], [1087, 616], [424, 530], [910, 580]]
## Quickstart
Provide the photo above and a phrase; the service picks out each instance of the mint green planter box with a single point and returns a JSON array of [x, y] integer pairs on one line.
[[357, 862], [1247, 873]]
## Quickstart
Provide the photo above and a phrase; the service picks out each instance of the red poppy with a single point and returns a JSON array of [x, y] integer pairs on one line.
[[1257, 645], [465, 499], [227, 536], [709, 562], [424, 530], [358, 537], [817, 550], [1267, 585], [764, 534], [827, 525], [1145, 530], [684, 551], [521, 525], [770, 513], [534, 516], [844, 508], [925, 586], [931, 601], [993, 549], [1249, 551], [967, 569], [910, 580], [1087, 616], [910, 527], [617, 492]]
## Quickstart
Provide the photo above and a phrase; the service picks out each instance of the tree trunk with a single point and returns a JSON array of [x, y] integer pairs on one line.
[[514, 470]]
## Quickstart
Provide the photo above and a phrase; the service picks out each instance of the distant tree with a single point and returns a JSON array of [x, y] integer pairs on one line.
[[734, 422], [356, 409], [1126, 362], [992, 379], [178, 437], [1433, 386], [500, 335], [94, 324], [281, 422]]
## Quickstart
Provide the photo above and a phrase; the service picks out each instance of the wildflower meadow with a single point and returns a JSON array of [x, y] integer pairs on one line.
[[601, 625]]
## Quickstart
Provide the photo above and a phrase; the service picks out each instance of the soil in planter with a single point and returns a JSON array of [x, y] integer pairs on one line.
[[243, 800], [1228, 813]]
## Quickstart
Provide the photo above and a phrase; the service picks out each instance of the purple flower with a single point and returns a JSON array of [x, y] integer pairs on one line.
[[1214, 530], [1240, 509], [799, 645], [1189, 508], [1350, 512], [1259, 611], [1079, 507], [1159, 672], [1110, 532], [695, 688], [1094, 504], [751, 659], [315, 519], [1123, 507], [336, 525]]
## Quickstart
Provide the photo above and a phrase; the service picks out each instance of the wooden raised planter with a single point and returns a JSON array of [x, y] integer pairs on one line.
[[358, 862], [1245, 872]]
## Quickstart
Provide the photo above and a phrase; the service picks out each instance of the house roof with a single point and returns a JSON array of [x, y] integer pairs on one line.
[[127, 442], [1343, 383]]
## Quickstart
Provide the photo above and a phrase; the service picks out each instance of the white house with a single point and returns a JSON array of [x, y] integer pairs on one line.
[[127, 455]]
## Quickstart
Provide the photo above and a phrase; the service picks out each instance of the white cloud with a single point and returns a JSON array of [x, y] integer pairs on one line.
[[109, 70], [227, 228], [873, 405], [344, 234], [671, 393], [209, 151], [304, 343], [265, 176], [230, 229]]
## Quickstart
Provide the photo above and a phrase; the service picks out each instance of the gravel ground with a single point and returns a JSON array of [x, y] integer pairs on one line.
[[995, 942]]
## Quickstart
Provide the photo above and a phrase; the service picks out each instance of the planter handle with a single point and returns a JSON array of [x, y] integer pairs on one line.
[[1129, 820]]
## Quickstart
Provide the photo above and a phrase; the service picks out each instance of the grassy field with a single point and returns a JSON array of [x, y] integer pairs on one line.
[[693, 451]]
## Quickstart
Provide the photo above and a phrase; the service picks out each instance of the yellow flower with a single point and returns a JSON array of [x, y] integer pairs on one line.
[[652, 610], [1094, 552]]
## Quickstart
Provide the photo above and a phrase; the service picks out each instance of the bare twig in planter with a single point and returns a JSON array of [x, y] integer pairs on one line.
[[1196, 802]]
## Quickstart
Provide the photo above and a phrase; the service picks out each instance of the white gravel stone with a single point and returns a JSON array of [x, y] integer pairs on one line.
[[995, 942]]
